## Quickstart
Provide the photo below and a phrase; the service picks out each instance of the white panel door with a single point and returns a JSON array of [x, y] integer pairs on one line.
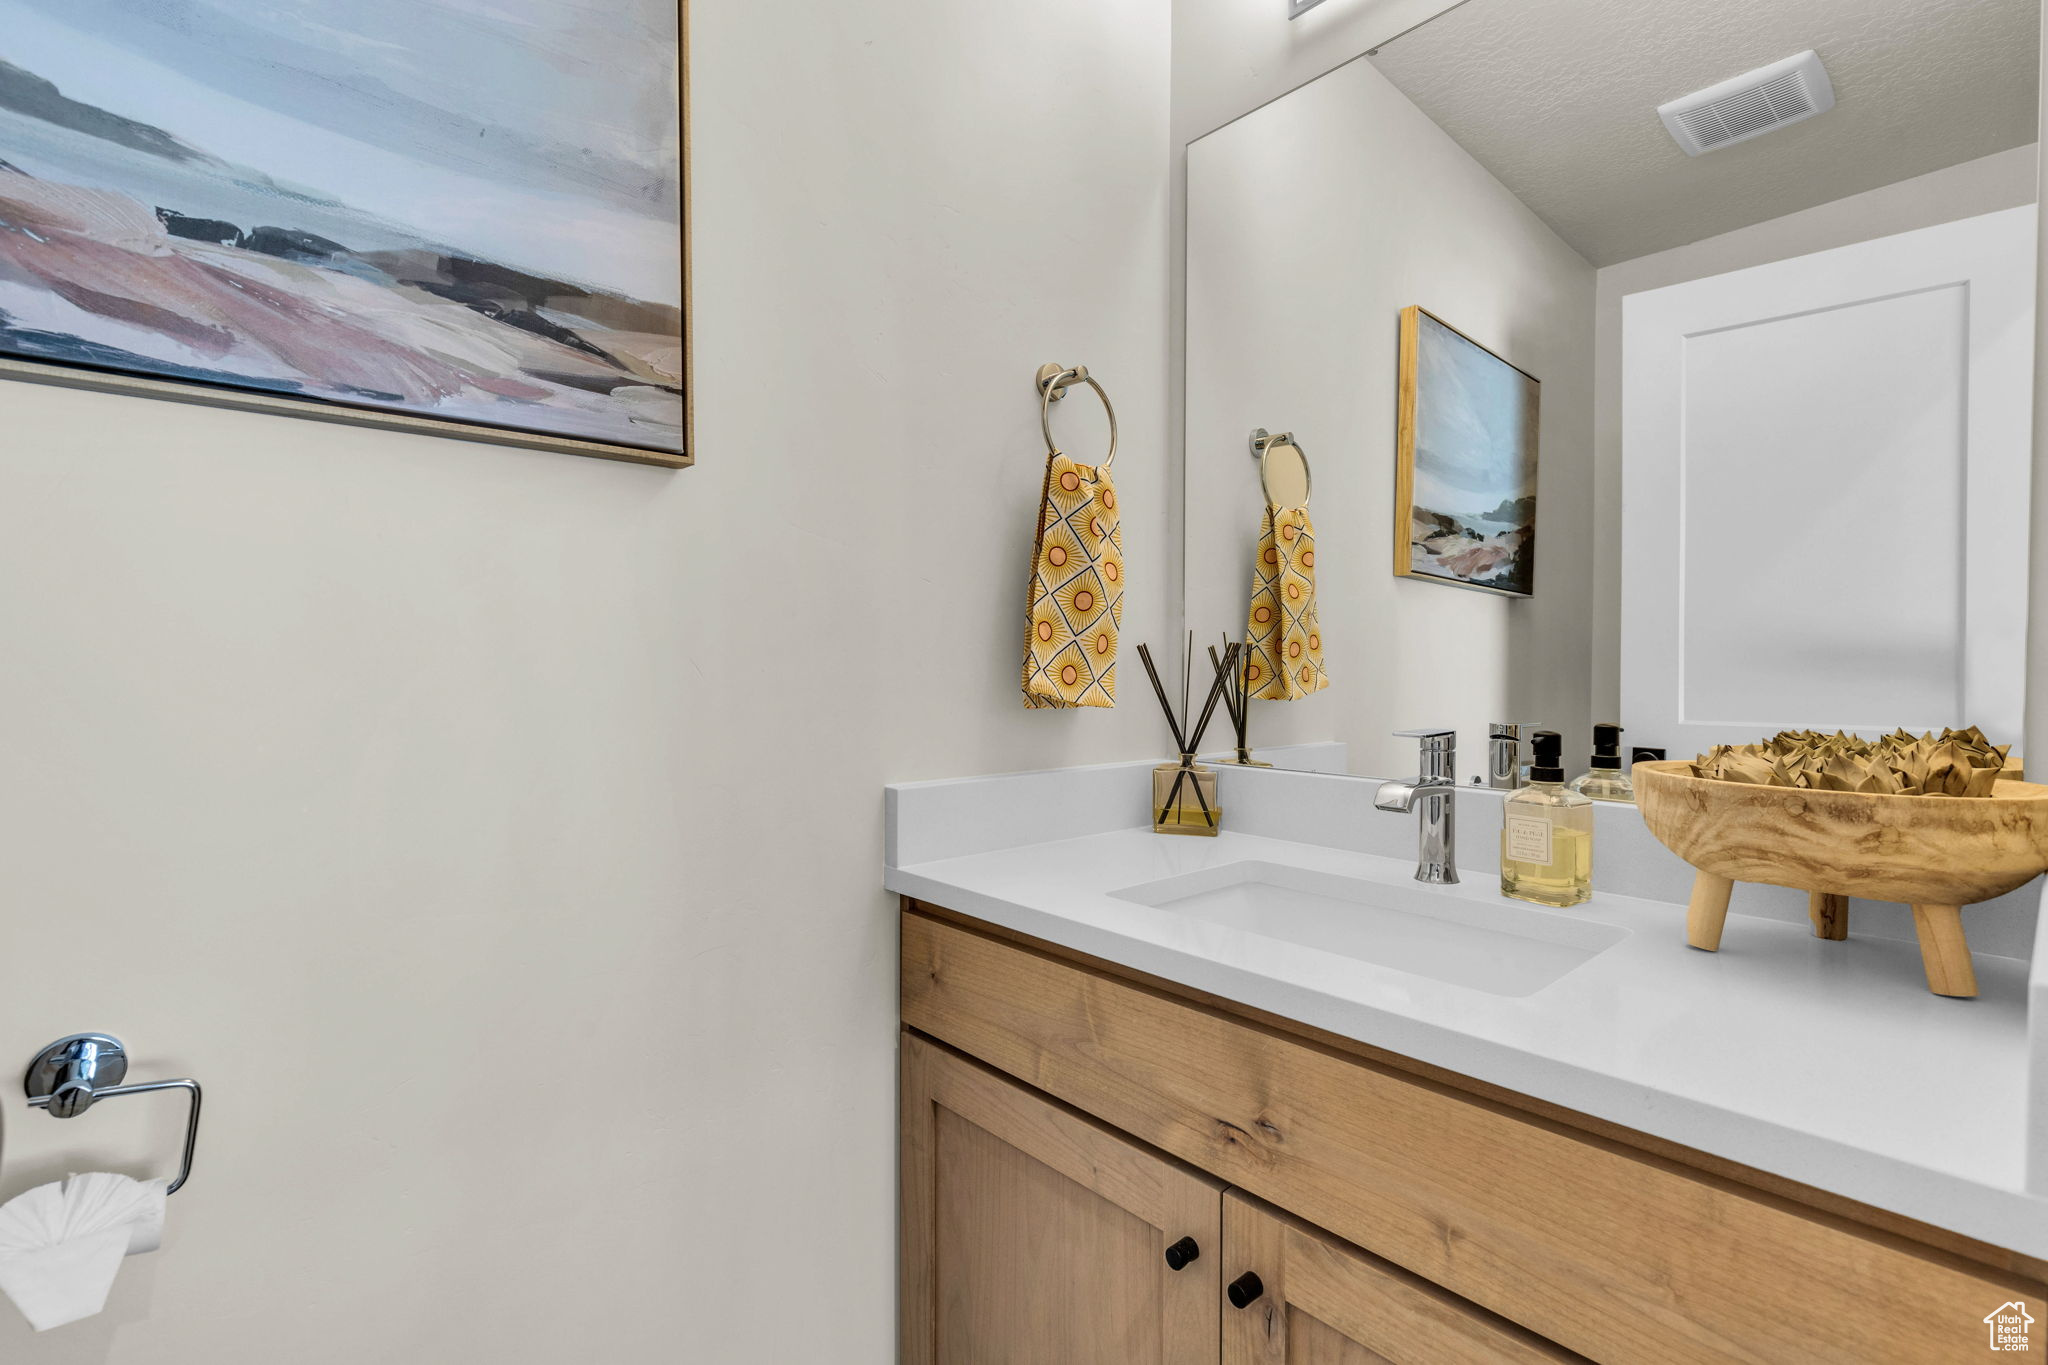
[[1825, 471]]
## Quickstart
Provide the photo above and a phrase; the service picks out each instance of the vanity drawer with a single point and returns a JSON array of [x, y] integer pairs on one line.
[[1618, 1255]]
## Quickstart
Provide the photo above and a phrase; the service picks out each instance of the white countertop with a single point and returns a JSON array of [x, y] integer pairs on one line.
[[1828, 1063]]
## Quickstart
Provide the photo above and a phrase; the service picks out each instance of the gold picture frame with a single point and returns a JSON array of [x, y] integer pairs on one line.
[[1473, 416], [139, 384]]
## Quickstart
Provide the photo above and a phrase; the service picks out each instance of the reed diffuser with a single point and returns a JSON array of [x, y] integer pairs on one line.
[[1230, 666], [1184, 793]]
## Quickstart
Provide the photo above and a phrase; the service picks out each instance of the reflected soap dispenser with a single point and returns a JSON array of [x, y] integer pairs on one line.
[[1606, 779], [1546, 837]]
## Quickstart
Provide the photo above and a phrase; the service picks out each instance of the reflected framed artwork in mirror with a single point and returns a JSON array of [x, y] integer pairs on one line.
[[1464, 462]]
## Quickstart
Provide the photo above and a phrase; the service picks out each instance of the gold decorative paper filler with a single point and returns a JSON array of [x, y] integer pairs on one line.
[[1283, 641], [1077, 590], [1960, 763]]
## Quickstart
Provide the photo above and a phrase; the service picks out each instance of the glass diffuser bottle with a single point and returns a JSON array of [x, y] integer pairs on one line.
[[1546, 837], [1184, 793], [1605, 778]]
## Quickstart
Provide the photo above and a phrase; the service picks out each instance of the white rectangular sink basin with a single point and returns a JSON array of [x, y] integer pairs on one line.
[[1509, 949]]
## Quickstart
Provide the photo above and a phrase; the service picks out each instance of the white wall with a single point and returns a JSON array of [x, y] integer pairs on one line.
[[497, 835], [1311, 223], [2002, 180]]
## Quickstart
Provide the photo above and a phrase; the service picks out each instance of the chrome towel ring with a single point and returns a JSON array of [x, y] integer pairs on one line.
[[1052, 387], [1290, 485]]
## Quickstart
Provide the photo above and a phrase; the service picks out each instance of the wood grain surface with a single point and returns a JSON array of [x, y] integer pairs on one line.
[[1930, 850]]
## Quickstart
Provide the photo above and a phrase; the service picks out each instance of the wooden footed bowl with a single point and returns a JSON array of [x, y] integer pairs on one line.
[[1935, 853]]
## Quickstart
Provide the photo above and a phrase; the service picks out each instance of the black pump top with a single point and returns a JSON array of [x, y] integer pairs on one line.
[[1549, 751], [1607, 745]]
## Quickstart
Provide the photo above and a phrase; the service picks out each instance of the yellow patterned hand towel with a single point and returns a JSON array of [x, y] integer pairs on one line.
[[1283, 642], [1077, 589]]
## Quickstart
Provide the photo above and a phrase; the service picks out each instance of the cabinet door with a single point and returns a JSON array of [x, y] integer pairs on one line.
[[1319, 1301], [1033, 1236]]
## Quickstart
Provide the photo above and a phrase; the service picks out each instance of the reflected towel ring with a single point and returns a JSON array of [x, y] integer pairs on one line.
[[1052, 386], [1264, 445]]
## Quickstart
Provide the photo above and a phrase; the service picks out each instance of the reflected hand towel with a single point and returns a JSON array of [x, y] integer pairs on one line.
[[1283, 640]]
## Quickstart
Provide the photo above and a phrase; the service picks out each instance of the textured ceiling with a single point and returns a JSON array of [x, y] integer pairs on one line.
[[1558, 98]]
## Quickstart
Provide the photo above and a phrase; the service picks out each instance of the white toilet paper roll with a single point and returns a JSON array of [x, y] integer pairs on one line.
[[146, 1231], [61, 1245], [59, 1284]]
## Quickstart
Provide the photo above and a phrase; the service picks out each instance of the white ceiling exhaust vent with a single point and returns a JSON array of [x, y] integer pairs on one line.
[[1750, 105]]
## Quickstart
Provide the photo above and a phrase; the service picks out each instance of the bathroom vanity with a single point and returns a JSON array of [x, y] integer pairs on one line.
[[1263, 1098], [1609, 443]]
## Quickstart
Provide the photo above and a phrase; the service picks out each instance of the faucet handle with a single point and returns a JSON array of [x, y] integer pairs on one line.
[[1439, 755], [1431, 737]]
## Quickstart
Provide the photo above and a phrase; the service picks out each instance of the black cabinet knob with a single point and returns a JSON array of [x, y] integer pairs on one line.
[[1183, 1254], [1245, 1289]]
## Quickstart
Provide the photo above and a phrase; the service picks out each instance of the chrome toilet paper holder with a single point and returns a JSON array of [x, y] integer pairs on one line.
[[72, 1074]]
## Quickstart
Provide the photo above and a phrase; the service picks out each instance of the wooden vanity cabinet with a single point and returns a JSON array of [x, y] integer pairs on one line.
[[1325, 1302], [1033, 1236], [1065, 1121]]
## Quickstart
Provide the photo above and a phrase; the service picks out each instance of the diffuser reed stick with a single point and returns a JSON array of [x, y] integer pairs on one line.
[[1230, 666], [1159, 691], [1176, 723], [1216, 687]]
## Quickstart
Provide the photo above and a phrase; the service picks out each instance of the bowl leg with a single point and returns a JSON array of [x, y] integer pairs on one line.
[[1708, 910], [1829, 913], [1944, 952]]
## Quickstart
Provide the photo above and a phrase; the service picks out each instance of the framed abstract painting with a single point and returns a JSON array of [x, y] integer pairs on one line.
[[465, 217], [1465, 462]]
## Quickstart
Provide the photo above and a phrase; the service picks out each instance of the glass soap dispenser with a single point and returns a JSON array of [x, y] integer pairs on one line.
[[1606, 779], [1546, 837]]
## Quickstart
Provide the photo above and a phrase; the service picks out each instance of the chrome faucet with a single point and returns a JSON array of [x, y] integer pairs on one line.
[[1435, 788], [1503, 754]]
